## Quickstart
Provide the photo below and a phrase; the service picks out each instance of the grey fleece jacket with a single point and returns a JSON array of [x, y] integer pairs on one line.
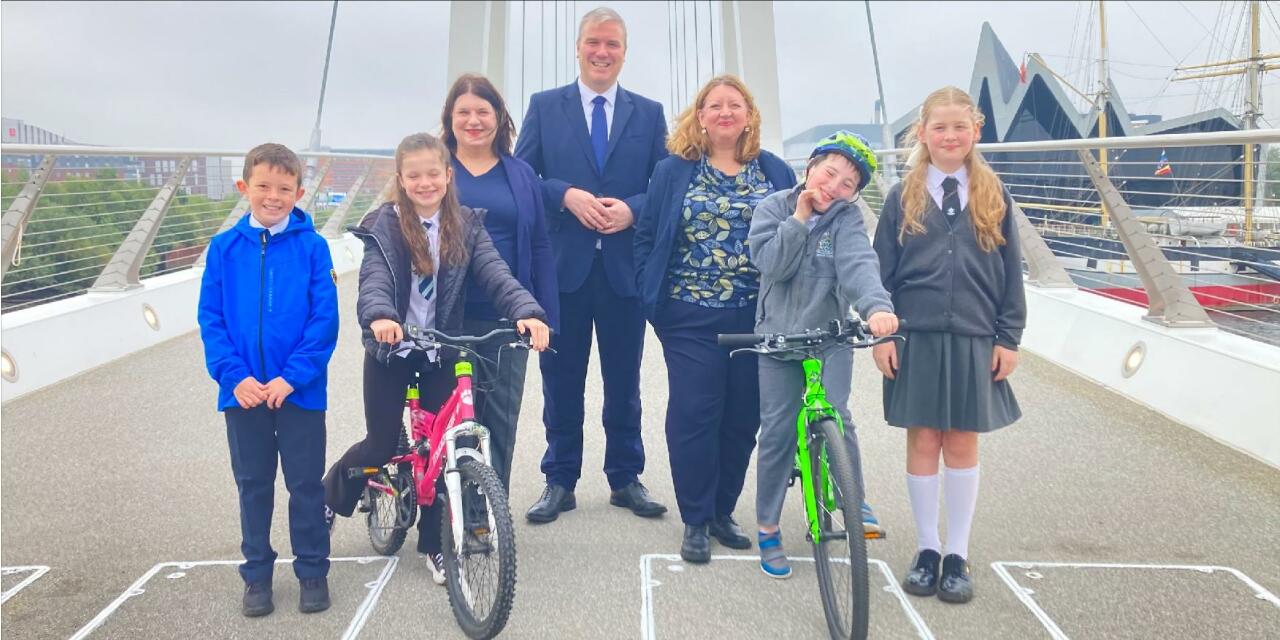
[[810, 277]]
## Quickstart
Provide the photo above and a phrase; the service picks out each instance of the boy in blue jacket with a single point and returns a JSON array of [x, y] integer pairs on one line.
[[269, 321]]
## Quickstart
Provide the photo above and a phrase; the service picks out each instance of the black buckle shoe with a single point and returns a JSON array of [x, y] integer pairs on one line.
[[956, 585], [636, 498], [922, 580], [696, 546], [314, 595], [554, 500], [257, 600], [729, 533]]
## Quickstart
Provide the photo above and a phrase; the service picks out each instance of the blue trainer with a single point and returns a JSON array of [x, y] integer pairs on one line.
[[870, 525], [773, 560]]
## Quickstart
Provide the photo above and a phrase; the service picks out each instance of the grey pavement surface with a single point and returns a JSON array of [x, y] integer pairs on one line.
[[126, 467]]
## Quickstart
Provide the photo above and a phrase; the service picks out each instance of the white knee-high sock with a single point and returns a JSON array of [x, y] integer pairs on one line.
[[924, 506], [961, 499]]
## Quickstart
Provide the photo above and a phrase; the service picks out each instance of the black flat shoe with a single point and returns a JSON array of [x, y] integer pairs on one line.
[[729, 533], [257, 600], [554, 500], [696, 547], [922, 580], [956, 585], [636, 498]]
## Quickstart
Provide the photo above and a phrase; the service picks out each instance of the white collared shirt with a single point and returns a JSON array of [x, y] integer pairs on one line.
[[275, 228], [934, 182], [589, 94], [422, 313]]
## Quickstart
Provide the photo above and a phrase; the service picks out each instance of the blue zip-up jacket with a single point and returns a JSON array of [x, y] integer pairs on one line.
[[269, 308]]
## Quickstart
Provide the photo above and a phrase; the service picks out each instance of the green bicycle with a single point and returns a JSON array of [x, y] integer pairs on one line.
[[830, 474]]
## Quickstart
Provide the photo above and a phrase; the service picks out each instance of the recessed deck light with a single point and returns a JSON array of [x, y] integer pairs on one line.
[[149, 314], [1133, 359], [8, 367]]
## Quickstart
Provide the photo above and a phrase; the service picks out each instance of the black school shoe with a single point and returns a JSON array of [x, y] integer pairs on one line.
[[313, 595], [922, 579], [956, 585], [724, 529], [696, 547], [636, 498], [257, 600]]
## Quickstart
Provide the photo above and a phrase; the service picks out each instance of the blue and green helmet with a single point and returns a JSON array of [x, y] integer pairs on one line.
[[852, 146]]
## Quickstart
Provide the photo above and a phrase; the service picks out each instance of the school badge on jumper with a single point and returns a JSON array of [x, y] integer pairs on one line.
[[825, 248], [951, 211], [333, 273]]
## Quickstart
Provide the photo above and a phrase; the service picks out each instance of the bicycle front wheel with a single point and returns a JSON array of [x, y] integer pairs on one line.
[[840, 551], [480, 571]]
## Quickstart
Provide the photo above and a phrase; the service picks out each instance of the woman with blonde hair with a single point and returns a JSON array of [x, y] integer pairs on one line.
[[696, 280]]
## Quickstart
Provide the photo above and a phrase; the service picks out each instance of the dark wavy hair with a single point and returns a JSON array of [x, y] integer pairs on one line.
[[480, 87]]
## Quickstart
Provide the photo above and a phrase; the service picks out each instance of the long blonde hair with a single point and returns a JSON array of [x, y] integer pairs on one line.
[[986, 194], [690, 142], [452, 249]]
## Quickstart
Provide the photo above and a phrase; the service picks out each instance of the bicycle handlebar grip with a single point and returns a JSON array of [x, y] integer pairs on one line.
[[739, 339]]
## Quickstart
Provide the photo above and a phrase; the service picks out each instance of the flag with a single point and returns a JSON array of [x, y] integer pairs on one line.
[[1022, 73], [1164, 168]]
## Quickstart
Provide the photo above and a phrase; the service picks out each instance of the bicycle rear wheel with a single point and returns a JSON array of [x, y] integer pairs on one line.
[[481, 572], [840, 553], [389, 518]]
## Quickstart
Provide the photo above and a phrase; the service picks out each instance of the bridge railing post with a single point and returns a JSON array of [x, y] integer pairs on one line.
[[333, 226], [19, 212], [122, 272], [1170, 302]]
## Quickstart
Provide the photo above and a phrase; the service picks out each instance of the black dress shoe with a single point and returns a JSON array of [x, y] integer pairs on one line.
[[729, 533], [636, 498], [922, 580], [696, 547], [555, 499], [956, 585]]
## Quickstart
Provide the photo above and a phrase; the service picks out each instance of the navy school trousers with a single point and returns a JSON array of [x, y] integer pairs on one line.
[[713, 406], [618, 322], [296, 437]]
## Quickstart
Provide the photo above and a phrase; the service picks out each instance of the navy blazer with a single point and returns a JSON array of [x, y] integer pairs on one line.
[[658, 224], [555, 142], [535, 265]]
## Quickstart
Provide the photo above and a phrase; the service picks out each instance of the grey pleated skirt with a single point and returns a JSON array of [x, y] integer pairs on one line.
[[944, 382]]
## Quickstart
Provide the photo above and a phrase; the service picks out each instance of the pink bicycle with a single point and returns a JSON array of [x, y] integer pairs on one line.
[[447, 457]]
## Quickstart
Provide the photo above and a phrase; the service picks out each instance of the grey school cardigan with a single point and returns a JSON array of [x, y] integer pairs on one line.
[[942, 281], [810, 277]]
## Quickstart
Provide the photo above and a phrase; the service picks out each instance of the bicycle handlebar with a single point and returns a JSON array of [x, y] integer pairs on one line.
[[856, 334], [417, 334]]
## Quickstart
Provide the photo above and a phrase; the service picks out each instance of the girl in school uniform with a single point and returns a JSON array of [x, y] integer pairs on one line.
[[949, 257], [421, 249]]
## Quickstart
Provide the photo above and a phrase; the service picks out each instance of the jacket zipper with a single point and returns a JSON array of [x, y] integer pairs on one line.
[[262, 293]]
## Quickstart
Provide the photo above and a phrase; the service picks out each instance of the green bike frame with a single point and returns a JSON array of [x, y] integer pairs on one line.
[[815, 408]]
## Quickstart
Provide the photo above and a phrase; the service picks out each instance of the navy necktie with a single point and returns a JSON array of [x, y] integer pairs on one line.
[[427, 285], [599, 131], [950, 196]]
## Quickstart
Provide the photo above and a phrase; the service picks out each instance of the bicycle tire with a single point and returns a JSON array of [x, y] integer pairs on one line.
[[479, 480], [388, 522], [845, 621]]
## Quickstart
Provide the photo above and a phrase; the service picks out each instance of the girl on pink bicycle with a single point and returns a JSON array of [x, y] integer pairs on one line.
[[420, 251]]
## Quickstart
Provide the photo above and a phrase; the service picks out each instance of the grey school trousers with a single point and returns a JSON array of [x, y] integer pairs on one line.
[[781, 396]]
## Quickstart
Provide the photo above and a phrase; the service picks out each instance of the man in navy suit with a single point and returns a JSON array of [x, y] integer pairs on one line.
[[594, 144]]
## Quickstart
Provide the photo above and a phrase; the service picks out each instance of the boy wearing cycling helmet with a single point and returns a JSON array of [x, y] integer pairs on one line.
[[815, 261]]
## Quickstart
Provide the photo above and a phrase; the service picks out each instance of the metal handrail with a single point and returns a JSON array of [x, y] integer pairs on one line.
[[82, 150]]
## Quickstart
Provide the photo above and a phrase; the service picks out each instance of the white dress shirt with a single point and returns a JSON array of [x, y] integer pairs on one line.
[[422, 313], [934, 182], [588, 95], [274, 229]]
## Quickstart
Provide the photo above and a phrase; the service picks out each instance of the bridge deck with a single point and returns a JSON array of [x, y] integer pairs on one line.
[[126, 467]]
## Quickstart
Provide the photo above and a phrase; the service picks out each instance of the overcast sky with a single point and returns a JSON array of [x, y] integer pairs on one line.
[[230, 75]]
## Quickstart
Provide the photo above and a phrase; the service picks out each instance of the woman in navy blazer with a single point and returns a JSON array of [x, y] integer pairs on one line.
[[696, 280], [479, 132]]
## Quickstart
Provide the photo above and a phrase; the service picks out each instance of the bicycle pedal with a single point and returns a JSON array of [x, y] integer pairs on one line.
[[791, 479], [874, 535], [363, 508]]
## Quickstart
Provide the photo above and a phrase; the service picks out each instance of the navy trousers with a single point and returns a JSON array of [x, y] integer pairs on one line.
[[713, 406], [296, 436], [499, 378], [619, 325]]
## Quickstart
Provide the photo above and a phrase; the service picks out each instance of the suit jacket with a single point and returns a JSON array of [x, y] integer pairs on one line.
[[555, 142], [658, 225]]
